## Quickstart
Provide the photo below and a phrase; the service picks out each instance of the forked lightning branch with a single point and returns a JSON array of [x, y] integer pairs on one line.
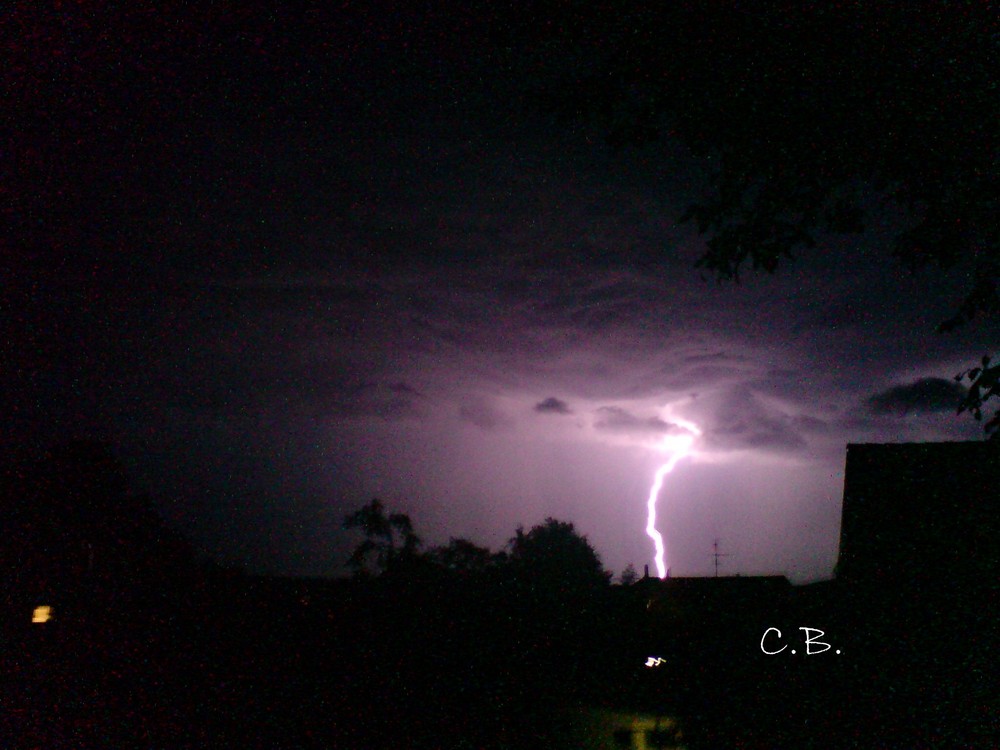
[[677, 446]]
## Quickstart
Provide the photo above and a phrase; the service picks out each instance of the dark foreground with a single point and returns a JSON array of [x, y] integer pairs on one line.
[[255, 663]]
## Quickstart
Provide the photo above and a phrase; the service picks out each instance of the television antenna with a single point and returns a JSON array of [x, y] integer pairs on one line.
[[716, 554]]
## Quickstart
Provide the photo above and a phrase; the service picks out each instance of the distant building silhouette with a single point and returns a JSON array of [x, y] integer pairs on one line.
[[920, 515], [918, 581]]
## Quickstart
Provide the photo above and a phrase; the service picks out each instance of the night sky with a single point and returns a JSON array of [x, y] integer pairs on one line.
[[286, 261]]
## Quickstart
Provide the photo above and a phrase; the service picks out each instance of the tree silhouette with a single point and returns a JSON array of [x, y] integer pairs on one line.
[[389, 539], [985, 384], [555, 556], [629, 575], [74, 530], [464, 558], [810, 118]]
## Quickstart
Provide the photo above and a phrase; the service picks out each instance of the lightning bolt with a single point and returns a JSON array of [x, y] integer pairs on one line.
[[679, 446]]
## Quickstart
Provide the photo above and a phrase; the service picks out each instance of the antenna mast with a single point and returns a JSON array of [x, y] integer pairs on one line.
[[717, 555]]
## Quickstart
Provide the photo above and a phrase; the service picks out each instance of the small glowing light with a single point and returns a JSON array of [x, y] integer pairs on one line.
[[42, 614], [678, 446], [655, 661]]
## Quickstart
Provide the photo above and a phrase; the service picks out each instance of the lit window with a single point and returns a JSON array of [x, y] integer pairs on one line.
[[42, 614]]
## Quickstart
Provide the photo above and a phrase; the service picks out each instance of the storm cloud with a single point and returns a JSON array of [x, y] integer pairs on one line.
[[399, 291], [617, 419], [743, 421], [553, 405], [921, 396], [483, 414]]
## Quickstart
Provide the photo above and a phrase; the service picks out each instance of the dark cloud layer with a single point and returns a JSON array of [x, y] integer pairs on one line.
[[616, 419], [553, 405], [483, 414], [742, 421], [921, 396]]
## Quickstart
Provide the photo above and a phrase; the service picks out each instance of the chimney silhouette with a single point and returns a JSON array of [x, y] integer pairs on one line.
[[645, 573]]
